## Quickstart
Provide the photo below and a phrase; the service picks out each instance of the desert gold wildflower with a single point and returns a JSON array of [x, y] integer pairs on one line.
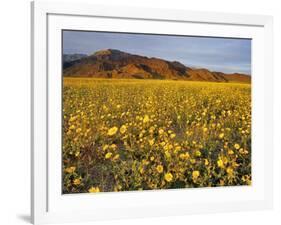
[[113, 146], [236, 146], [229, 171], [221, 135], [177, 148], [141, 169], [73, 118], [246, 179], [146, 119], [172, 136], [77, 181], [168, 177], [167, 154], [230, 152], [105, 147], [161, 131], [77, 153], [193, 161], [72, 127], [94, 189], [151, 142], [123, 129], [206, 162], [184, 156], [220, 163], [195, 174], [112, 131], [70, 169], [116, 157], [151, 130], [108, 155], [159, 168]]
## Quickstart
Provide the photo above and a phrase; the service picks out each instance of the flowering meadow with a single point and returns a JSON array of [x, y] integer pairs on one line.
[[123, 135]]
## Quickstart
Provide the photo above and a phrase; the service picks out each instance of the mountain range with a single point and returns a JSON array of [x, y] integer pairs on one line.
[[112, 63]]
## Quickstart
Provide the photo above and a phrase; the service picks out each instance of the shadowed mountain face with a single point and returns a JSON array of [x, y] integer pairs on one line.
[[111, 63], [73, 57]]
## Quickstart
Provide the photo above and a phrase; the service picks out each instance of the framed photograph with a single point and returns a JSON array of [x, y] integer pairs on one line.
[[140, 112]]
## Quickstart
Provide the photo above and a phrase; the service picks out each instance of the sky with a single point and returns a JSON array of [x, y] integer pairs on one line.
[[228, 55]]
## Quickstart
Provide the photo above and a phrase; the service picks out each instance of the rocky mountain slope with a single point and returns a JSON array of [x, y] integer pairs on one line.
[[111, 63]]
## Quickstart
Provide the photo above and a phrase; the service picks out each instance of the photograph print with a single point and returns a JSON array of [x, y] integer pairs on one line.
[[150, 111]]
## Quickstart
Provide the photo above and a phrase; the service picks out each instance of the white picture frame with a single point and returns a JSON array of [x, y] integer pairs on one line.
[[47, 203]]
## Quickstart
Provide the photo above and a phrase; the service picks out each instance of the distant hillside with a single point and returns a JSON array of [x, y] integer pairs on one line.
[[111, 63], [72, 57]]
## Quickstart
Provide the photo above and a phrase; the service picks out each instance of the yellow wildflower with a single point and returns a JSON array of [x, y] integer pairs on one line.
[[247, 179], [195, 174], [108, 155], [159, 168], [198, 153], [72, 127], [168, 177], [220, 163], [116, 157], [177, 148], [206, 162], [114, 146], [167, 154], [77, 181], [172, 136], [70, 169], [184, 156], [112, 131], [141, 169], [78, 130], [72, 118], [94, 189], [77, 153], [237, 146], [146, 119], [123, 129], [221, 135], [229, 171], [105, 147], [151, 130], [151, 142], [230, 152]]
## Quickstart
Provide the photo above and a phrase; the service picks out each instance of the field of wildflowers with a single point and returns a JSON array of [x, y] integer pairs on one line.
[[122, 135]]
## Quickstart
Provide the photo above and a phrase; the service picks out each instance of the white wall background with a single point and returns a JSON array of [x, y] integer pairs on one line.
[[15, 108]]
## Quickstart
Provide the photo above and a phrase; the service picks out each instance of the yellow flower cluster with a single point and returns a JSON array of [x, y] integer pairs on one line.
[[121, 135]]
